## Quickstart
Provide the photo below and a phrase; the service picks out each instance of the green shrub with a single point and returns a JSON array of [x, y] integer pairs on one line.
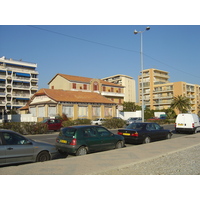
[[76, 122], [33, 128], [114, 123]]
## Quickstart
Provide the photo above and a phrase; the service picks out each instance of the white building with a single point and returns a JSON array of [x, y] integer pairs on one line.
[[128, 83], [18, 82]]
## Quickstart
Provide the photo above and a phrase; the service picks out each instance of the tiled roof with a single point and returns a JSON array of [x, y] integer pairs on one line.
[[85, 80], [74, 96]]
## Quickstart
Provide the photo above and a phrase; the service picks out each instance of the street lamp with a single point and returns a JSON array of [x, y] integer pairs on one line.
[[141, 64]]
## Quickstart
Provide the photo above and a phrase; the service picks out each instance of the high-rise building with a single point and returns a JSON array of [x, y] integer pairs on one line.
[[128, 83], [18, 82], [158, 92]]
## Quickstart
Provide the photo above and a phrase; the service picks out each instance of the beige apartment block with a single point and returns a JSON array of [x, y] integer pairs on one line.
[[128, 83], [158, 92]]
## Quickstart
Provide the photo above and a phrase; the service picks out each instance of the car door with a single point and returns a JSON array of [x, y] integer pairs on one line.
[[92, 139], [2, 152], [107, 139], [17, 148]]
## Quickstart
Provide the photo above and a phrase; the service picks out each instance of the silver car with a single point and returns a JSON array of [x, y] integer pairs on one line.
[[15, 148], [131, 120]]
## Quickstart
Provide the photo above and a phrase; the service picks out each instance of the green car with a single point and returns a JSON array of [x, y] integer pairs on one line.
[[80, 140]]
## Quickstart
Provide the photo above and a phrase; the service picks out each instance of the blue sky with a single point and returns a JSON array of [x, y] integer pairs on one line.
[[98, 51]]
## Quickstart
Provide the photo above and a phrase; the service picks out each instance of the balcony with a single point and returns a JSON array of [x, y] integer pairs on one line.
[[113, 94]]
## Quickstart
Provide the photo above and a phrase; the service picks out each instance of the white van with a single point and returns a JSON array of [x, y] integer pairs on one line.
[[186, 122]]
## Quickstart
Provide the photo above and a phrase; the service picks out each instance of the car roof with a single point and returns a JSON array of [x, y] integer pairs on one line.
[[82, 126]]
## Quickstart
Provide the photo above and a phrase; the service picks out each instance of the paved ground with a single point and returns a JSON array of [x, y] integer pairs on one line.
[[146, 158]]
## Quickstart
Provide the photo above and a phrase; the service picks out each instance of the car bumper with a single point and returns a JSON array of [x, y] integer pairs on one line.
[[69, 149]]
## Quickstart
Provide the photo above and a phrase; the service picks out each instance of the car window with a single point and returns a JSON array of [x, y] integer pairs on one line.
[[103, 132], [89, 132], [14, 139], [136, 126], [151, 127], [157, 126], [68, 132]]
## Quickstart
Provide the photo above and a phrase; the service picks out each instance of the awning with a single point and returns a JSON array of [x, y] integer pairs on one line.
[[23, 74], [22, 98]]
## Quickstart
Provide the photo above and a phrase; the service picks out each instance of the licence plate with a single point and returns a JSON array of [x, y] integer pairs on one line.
[[180, 124], [63, 141], [126, 133]]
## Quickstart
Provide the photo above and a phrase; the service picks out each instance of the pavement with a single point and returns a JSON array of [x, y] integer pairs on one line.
[[101, 162]]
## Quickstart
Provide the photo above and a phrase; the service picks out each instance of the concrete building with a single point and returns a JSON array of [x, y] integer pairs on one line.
[[128, 83], [158, 91], [111, 91], [18, 82], [75, 104]]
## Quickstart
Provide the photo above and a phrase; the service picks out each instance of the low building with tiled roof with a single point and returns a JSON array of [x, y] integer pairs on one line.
[[112, 91], [75, 104]]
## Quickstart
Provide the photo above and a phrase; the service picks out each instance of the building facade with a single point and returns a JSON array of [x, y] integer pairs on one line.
[[75, 104], [128, 83], [18, 82], [111, 91], [158, 92]]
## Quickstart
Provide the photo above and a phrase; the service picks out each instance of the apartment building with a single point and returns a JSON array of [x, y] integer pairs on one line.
[[111, 91], [18, 82], [158, 92], [128, 83]]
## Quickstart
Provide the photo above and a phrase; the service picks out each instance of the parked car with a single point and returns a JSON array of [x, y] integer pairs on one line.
[[15, 148], [98, 121], [80, 140], [144, 133], [188, 123], [133, 120], [53, 124]]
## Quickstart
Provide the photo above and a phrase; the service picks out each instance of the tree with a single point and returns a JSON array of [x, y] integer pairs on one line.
[[181, 103], [130, 107]]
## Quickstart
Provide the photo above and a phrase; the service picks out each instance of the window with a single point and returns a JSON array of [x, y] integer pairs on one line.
[[52, 111], [112, 89], [108, 112], [82, 111], [41, 111], [85, 87], [33, 111], [14, 139], [68, 110], [103, 132], [74, 85], [90, 132], [95, 86], [96, 111]]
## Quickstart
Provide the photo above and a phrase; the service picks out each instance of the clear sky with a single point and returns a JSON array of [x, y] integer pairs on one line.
[[99, 51]]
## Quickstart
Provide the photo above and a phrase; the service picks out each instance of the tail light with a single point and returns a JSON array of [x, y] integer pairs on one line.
[[134, 134], [120, 133], [192, 125], [73, 142]]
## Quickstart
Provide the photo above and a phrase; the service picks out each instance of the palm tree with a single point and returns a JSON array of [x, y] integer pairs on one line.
[[181, 103]]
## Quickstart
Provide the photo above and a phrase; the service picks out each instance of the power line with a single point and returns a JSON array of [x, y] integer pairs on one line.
[[107, 45]]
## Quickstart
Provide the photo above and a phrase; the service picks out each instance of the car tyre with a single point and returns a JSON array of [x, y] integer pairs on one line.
[[118, 145], [43, 156], [147, 140], [168, 136], [81, 151]]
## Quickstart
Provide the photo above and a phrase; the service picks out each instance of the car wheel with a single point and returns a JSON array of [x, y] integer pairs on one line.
[[43, 156], [169, 136], [147, 140], [118, 145], [81, 151]]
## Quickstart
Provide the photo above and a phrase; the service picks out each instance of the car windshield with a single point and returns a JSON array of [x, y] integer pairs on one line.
[[136, 126], [68, 132]]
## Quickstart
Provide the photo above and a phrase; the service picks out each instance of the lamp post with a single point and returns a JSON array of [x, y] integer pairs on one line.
[[141, 64]]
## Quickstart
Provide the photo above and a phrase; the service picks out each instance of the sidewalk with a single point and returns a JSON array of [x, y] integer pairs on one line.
[[99, 163]]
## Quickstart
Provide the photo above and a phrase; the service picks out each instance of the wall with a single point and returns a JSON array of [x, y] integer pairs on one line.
[[22, 118], [126, 115]]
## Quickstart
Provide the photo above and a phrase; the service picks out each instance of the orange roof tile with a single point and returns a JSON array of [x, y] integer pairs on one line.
[[85, 80], [74, 96]]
